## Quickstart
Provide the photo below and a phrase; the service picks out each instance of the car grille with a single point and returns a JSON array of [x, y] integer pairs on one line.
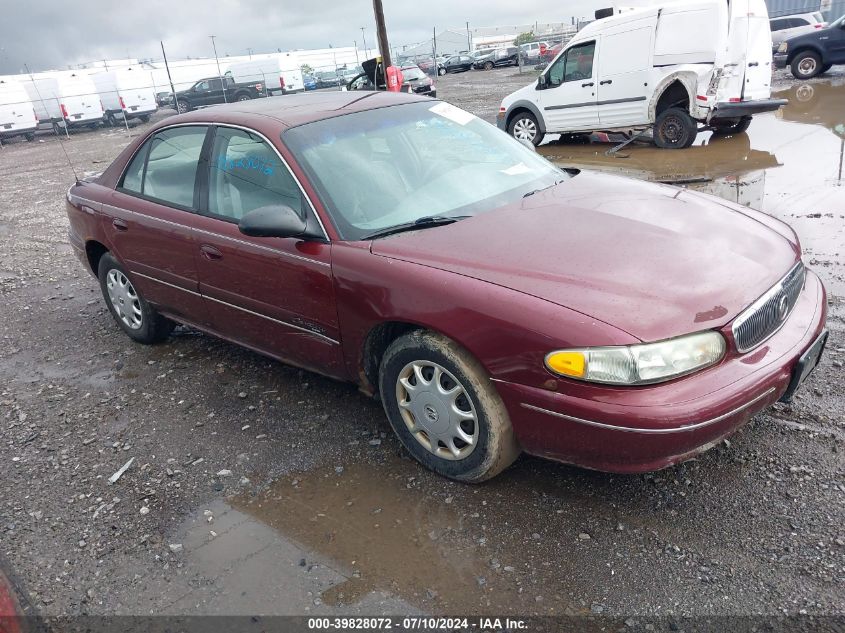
[[765, 316]]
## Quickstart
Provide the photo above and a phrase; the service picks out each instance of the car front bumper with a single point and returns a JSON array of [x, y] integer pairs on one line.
[[729, 109], [779, 60], [641, 429]]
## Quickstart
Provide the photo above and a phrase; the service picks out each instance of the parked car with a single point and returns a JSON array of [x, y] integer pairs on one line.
[[786, 27], [669, 67], [813, 53], [493, 302], [164, 99], [309, 82], [216, 90], [125, 94], [414, 80], [457, 64], [17, 114], [500, 57], [533, 51], [328, 79]]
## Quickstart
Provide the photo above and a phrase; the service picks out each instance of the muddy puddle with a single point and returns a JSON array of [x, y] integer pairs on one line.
[[789, 164], [387, 533]]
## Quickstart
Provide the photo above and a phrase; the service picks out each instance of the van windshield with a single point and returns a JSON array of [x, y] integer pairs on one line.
[[394, 166]]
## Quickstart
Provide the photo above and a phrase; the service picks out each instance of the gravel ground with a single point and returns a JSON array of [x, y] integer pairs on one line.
[[752, 527]]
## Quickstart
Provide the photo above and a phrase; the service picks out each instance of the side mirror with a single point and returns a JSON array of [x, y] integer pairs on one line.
[[541, 82], [273, 221]]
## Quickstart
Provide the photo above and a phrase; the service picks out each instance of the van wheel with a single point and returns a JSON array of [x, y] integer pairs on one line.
[[111, 119], [29, 136], [806, 65], [674, 129], [524, 127], [727, 128], [444, 408], [133, 314], [58, 130], [145, 118]]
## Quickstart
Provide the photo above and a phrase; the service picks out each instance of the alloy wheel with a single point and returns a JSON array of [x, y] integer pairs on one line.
[[437, 410], [124, 299]]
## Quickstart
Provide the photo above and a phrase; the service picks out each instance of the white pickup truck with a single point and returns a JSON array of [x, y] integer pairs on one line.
[[669, 66]]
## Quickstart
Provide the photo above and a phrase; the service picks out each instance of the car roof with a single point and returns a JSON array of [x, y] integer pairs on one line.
[[291, 110]]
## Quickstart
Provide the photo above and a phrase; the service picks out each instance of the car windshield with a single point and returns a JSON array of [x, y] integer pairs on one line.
[[838, 22], [412, 73], [392, 166]]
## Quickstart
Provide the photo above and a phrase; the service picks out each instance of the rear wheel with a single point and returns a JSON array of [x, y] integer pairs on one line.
[[133, 314], [111, 119], [523, 127], [674, 129], [443, 407], [29, 136], [806, 64], [726, 128], [243, 97], [58, 128], [145, 118]]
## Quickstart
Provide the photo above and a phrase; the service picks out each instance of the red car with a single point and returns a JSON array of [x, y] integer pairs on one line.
[[494, 302]]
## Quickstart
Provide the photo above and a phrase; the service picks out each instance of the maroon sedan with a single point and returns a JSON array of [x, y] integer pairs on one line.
[[493, 302]]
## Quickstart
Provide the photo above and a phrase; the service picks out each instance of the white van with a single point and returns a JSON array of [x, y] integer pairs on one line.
[[17, 116], [280, 72], [64, 99], [125, 92], [670, 66]]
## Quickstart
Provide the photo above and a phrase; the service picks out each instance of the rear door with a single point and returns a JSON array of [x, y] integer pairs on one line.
[[569, 101], [623, 69], [149, 216], [748, 65], [275, 295]]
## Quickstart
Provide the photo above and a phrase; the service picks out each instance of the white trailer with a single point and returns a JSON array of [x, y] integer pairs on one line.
[[125, 92], [280, 72], [64, 99], [17, 116]]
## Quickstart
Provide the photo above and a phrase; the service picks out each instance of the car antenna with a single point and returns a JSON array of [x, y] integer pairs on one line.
[[41, 99]]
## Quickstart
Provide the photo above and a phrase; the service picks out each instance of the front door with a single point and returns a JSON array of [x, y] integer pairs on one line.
[[569, 99], [154, 240], [275, 295]]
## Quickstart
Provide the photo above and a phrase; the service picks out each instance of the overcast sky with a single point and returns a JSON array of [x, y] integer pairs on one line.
[[48, 34]]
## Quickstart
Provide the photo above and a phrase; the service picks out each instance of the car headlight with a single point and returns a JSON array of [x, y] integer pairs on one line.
[[639, 364], [783, 47]]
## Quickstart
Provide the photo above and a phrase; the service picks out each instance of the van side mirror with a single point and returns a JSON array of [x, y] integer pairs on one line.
[[272, 221], [541, 82]]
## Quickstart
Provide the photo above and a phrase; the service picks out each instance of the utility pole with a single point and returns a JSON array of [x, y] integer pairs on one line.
[[364, 38], [249, 51], [469, 42], [219, 74], [381, 32], [434, 51], [169, 78]]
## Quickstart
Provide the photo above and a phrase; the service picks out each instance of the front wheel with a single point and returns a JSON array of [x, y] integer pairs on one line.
[[729, 128], [183, 106], [488, 66], [523, 127], [136, 317], [806, 65], [674, 129], [443, 407], [441, 71]]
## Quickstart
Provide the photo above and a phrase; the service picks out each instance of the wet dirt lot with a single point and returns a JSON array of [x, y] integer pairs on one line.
[[258, 488]]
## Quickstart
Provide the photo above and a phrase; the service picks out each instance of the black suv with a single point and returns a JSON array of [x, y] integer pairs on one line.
[[500, 57], [813, 53]]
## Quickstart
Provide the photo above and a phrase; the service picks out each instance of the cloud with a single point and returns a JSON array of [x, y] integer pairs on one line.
[[52, 35]]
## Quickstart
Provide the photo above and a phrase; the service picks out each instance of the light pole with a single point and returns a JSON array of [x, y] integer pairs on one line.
[[364, 39], [219, 74], [469, 43], [249, 51]]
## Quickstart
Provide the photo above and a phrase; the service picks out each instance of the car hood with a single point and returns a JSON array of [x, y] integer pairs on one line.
[[526, 92], [652, 260]]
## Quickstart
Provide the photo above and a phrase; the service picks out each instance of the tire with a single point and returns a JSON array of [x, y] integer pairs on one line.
[[488, 65], [728, 128], [111, 119], [674, 129], [485, 421], [58, 130], [441, 71], [806, 65], [29, 136], [93, 126], [243, 97], [183, 106], [523, 126], [130, 310], [145, 118]]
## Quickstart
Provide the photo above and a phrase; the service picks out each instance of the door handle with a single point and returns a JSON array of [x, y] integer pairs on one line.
[[587, 84], [606, 81], [210, 252], [119, 224]]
